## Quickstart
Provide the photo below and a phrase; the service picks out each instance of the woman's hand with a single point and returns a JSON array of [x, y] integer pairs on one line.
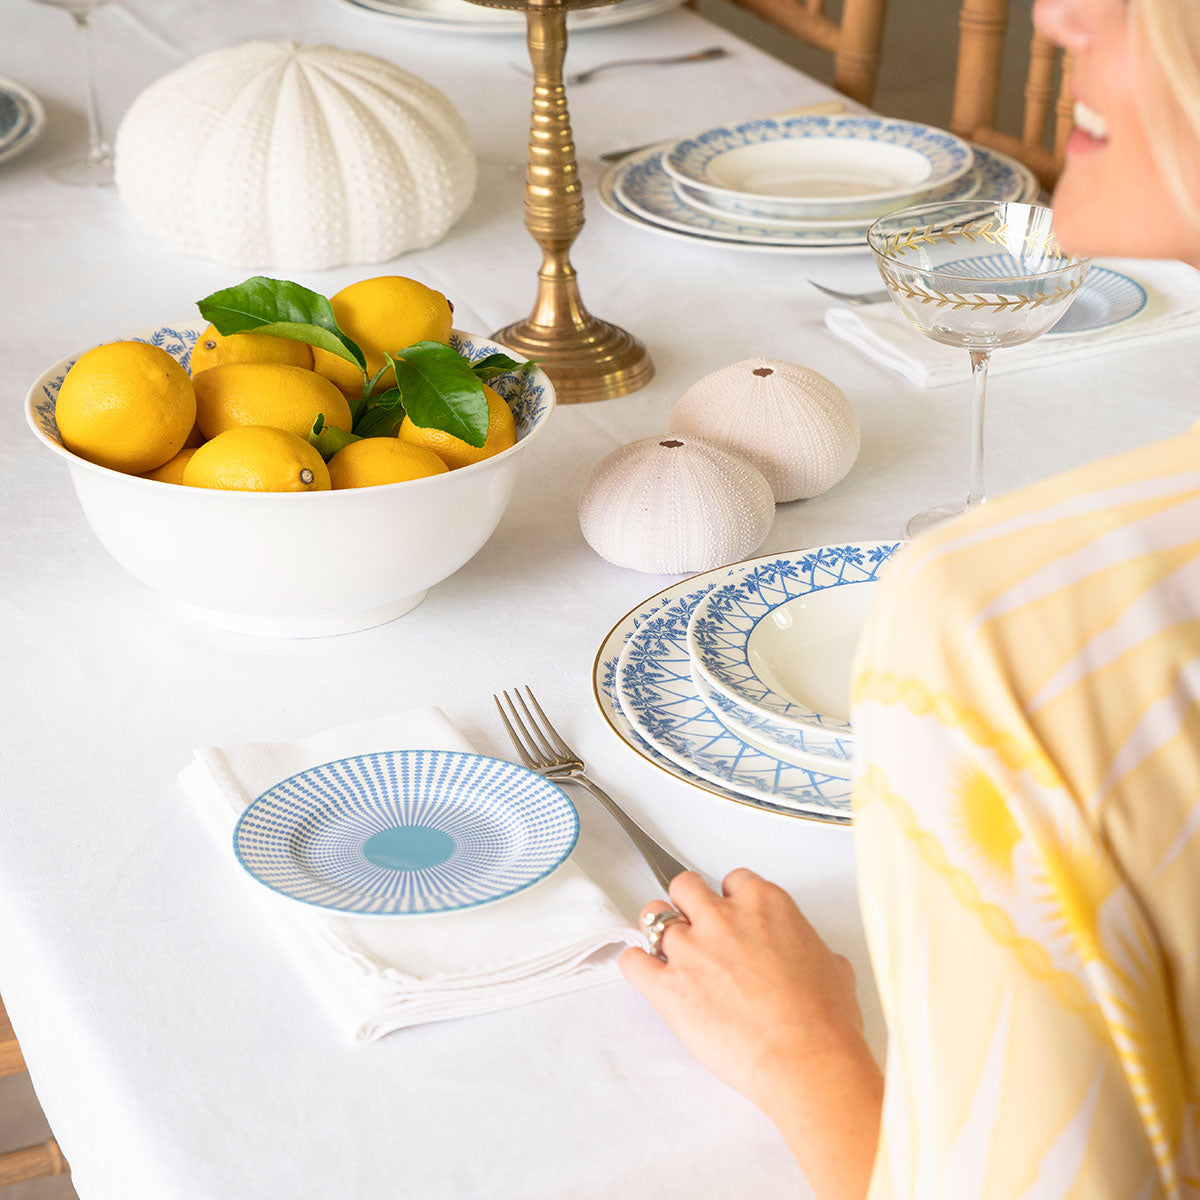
[[756, 995]]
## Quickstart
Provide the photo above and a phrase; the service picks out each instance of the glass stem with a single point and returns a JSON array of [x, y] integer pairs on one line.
[[98, 149], [979, 370]]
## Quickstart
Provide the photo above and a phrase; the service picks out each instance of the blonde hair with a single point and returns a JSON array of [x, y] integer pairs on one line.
[[1166, 39]]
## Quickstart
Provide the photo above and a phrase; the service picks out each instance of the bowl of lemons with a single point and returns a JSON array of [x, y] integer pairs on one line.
[[276, 487]]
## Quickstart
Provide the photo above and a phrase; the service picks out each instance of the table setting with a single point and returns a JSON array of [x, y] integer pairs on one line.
[[319, 861]]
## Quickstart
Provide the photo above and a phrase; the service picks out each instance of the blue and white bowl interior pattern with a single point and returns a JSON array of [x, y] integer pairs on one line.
[[640, 186], [406, 833], [649, 683], [521, 389], [721, 630], [946, 156]]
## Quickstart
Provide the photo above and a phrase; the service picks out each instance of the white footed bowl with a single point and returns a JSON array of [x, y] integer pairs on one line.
[[297, 565]]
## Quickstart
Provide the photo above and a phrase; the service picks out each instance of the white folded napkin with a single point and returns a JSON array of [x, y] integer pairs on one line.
[[881, 333], [377, 975]]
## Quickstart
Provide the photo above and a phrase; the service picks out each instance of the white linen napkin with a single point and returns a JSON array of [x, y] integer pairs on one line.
[[882, 334], [377, 975]]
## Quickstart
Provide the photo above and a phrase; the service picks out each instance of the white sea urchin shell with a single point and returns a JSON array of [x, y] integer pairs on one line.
[[792, 423], [273, 154], [670, 505]]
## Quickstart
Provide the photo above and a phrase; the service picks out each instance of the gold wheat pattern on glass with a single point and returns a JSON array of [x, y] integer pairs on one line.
[[977, 300], [974, 231]]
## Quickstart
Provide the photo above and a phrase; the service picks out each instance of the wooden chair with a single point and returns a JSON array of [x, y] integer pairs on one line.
[[982, 28], [854, 41], [32, 1162]]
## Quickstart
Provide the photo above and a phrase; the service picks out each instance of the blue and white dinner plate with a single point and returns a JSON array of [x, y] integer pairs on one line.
[[457, 16], [406, 833], [22, 118], [819, 165], [778, 640], [639, 191], [807, 795]]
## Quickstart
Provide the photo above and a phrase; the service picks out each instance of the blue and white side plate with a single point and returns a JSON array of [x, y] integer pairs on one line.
[[406, 833], [22, 118], [639, 191], [812, 166], [779, 640], [1107, 298], [773, 787]]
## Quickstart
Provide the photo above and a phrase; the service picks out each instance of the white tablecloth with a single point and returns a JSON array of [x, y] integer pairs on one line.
[[174, 1048]]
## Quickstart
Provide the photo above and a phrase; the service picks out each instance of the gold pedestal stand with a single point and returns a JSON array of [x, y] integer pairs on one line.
[[586, 358]]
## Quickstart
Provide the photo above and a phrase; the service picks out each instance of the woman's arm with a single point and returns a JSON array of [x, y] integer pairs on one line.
[[755, 994]]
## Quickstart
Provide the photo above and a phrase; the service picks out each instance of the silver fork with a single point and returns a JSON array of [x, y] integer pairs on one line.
[[667, 60], [542, 749], [852, 297]]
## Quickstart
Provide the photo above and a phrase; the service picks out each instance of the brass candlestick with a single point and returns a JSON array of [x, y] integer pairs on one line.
[[586, 358]]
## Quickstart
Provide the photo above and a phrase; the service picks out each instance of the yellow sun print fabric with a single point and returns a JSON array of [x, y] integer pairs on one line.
[[1027, 799]]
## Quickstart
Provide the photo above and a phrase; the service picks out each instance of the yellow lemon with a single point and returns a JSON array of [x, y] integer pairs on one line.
[[382, 460], [213, 349], [271, 394], [454, 452], [255, 458], [127, 406], [172, 470], [387, 313]]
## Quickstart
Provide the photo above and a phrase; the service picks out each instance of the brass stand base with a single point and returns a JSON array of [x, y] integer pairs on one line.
[[596, 361]]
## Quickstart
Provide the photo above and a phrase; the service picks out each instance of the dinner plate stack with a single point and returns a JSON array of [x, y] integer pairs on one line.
[[459, 16], [738, 680], [806, 184]]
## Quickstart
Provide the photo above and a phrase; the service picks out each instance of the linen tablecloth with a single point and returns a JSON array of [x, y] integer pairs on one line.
[[174, 1050]]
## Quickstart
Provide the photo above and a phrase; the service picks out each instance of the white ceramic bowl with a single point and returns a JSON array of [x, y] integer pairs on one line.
[[297, 565]]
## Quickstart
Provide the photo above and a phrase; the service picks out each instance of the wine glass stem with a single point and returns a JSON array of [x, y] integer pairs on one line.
[[98, 149], [979, 370]]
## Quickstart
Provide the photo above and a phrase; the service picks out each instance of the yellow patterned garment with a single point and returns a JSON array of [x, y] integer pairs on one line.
[[1027, 699]]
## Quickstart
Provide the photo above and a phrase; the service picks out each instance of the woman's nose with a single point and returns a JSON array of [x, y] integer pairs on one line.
[[1066, 22]]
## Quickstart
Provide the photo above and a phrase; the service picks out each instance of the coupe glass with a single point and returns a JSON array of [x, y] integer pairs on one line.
[[977, 275], [96, 170]]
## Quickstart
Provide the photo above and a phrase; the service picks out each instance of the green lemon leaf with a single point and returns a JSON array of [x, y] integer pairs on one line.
[[281, 309], [380, 422], [493, 365], [440, 391]]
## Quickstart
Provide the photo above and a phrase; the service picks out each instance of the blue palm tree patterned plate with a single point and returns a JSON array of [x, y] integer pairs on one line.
[[639, 191], [724, 625], [406, 833], [22, 118], [816, 749], [872, 161], [656, 692], [675, 604]]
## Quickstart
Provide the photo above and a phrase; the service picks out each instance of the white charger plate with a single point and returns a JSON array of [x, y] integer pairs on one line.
[[669, 610], [406, 833], [779, 641], [458, 16], [639, 192], [814, 166]]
